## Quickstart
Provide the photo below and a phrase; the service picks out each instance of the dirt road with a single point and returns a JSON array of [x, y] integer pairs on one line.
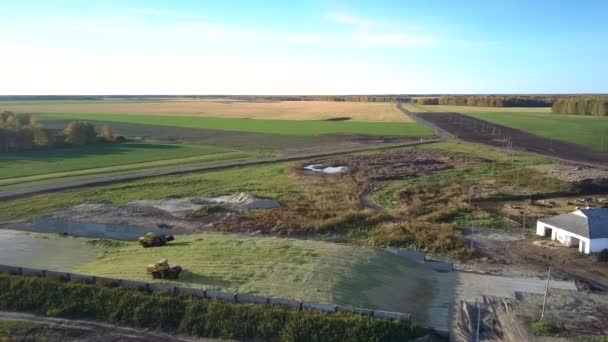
[[104, 180], [59, 329]]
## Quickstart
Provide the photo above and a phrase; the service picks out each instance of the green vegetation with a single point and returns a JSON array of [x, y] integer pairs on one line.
[[192, 316], [271, 181], [497, 164], [432, 208], [544, 328], [312, 271], [284, 127], [14, 328], [19, 132], [589, 131], [66, 162]]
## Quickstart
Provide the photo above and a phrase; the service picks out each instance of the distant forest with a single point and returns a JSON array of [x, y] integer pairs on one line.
[[562, 103], [582, 105], [489, 101]]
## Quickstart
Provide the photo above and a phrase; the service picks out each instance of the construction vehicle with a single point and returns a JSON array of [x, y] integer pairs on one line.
[[152, 240], [162, 270]]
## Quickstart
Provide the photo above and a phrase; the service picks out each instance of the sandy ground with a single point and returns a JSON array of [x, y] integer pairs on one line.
[[573, 173], [284, 110]]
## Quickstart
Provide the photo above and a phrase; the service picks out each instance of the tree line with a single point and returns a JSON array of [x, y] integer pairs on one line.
[[19, 132], [488, 101], [581, 105]]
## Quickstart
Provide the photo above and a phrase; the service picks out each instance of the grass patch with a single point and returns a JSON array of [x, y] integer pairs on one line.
[[105, 243], [62, 162], [480, 219], [281, 127], [313, 271], [265, 181], [544, 328]]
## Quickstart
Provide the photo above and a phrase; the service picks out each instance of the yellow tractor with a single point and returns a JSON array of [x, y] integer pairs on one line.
[[151, 240], [162, 270]]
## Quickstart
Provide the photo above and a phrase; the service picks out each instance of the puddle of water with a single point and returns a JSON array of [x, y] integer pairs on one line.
[[90, 230], [329, 169], [47, 252]]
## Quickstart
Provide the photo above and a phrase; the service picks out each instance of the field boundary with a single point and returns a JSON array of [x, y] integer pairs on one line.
[[438, 130], [206, 294], [68, 185]]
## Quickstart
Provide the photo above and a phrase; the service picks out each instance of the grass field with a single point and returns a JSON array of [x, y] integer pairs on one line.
[[283, 110], [303, 269], [589, 131], [271, 181], [76, 161], [283, 127]]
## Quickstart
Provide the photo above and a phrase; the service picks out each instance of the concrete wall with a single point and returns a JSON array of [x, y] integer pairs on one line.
[[208, 294], [567, 238]]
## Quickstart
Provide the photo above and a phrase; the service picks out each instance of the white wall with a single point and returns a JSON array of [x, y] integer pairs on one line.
[[567, 238], [598, 245]]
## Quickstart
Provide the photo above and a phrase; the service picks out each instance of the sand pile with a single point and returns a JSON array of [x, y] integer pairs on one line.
[[240, 201], [166, 208]]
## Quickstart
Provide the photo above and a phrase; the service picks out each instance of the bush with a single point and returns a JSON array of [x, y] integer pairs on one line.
[[192, 316], [207, 210], [543, 328]]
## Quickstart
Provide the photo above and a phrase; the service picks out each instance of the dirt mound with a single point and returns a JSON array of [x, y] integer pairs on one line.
[[240, 201], [166, 208], [574, 174], [403, 164]]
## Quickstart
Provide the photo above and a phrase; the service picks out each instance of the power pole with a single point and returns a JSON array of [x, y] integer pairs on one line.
[[523, 233], [472, 235], [478, 321], [542, 313]]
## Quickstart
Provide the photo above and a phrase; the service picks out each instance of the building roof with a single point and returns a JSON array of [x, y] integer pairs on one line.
[[589, 223]]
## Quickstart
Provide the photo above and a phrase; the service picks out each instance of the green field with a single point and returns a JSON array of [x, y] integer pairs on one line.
[[282, 127], [37, 165], [271, 181], [589, 131], [304, 269]]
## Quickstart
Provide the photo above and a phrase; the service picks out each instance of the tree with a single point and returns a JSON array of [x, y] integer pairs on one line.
[[106, 133], [80, 133], [42, 136]]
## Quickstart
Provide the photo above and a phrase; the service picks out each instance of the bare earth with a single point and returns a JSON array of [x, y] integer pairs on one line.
[[284, 110]]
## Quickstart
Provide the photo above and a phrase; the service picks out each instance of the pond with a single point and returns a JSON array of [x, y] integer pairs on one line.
[[52, 252], [329, 169]]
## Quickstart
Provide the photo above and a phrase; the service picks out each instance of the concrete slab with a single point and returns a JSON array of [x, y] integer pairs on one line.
[[472, 286]]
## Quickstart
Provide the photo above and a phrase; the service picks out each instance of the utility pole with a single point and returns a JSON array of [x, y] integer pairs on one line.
[[478, 321], [542, 313], [524, 221], [470, 190], [472, 235]]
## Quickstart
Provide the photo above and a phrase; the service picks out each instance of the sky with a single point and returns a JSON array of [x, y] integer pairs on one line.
[[260, 47]]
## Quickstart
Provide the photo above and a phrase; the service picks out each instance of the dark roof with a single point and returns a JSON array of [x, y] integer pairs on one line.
[[593, 225]]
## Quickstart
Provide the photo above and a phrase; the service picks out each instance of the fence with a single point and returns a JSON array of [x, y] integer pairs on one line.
[[206, 294]]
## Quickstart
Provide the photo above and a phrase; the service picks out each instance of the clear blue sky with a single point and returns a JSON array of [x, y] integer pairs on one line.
[[303, 47]]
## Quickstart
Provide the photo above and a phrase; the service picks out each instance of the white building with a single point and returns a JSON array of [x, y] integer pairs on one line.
[[586, 229]]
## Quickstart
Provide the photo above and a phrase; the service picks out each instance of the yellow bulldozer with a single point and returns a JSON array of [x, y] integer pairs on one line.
[[162, 270], [152, 240]]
